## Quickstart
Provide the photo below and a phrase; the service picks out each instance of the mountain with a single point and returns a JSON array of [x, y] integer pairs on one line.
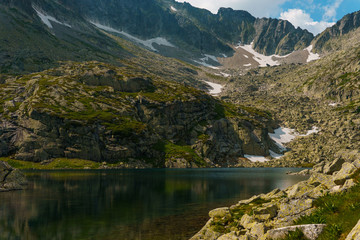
[[36, 34], [345, 25]]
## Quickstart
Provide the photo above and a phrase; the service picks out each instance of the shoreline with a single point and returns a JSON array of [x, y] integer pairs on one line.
[[275, 214]]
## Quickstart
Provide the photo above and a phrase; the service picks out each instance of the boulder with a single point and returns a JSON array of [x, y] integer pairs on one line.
[[355, 233], [265, 212], [334, 166], [294, 207], [206, 232], [247, 221], [220, 213], [10, 178], [311, 231], [234, 236], [258, 230], [347, 170]]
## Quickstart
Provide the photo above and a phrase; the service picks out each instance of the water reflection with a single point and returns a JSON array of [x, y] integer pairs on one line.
[[127, 204]]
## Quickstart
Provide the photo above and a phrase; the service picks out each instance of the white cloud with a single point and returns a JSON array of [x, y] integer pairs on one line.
[[300, 18], [258, 8], [330, 10]]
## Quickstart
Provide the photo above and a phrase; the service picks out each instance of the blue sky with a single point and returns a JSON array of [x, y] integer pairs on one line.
[[314, 15]]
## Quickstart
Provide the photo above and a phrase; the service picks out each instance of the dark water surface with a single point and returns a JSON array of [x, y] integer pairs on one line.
[[151, 204]]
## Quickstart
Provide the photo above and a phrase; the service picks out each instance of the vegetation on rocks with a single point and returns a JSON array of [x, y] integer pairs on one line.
[[326, 206]]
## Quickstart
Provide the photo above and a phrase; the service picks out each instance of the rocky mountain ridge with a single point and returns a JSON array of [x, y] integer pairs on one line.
[[189, 33]]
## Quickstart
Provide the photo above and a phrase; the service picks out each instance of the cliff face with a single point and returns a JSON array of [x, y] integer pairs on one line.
[[345, 25], [68, 33], [100, 112]]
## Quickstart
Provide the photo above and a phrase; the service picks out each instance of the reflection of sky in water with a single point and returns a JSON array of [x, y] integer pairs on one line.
[[128, 204]]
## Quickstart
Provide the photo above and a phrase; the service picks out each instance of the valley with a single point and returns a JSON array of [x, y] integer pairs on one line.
[[168, 85]]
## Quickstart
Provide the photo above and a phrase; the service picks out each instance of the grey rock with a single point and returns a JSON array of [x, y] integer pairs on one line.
[[334, 166], [10, 178], [311, 231]]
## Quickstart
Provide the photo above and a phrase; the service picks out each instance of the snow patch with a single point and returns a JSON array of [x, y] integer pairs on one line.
[[46, 18], [216, 88], [173, 9], [333, 104], [254, 158], [147, 43], [260, 58], [247, 65], [225, 74], [203, 61], [286, 135], [312, 56]]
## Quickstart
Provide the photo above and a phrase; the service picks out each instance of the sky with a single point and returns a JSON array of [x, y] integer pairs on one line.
[[313, 15]]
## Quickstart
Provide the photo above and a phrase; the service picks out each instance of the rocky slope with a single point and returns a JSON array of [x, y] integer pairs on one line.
[[272, 215], [36, 34], [324, 93], [345, 25], [100, 112]]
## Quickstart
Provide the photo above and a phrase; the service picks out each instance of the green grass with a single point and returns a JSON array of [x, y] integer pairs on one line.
[[295, 235], [339, 211], [174, 151], [59, 163]]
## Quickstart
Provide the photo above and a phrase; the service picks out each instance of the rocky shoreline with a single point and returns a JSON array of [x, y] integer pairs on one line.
[[272, 215], [10, 178]]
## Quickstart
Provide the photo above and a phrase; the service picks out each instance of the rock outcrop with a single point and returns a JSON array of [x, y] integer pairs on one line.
[[10, 178], [100, 112], [270, 216]]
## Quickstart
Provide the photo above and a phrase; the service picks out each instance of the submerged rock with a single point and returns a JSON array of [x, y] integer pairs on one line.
[[10, 178]]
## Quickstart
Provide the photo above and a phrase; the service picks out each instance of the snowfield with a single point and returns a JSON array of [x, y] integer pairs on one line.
[[216, 88], [147, 43], [312, 56], [254, 158], [203, 61], [46, 18], [281, 136], [260, 58]]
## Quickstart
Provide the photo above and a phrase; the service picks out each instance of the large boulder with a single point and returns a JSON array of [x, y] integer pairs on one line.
[[334, 166], [10, 178], [347, 170], [311, 231]]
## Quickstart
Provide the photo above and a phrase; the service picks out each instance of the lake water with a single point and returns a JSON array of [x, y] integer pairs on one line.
[[154, 204]]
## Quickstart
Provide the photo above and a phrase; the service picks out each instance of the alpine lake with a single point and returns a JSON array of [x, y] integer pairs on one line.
[[151, 204]]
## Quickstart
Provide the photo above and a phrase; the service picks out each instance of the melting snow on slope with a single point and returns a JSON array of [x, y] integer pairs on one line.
[[286, 135], [260, 58], [225, 74], [216, 88], [173, 9], [281, 136], [148, 43], [312, 56], [203, 61], [254, 158], [46, 18]]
